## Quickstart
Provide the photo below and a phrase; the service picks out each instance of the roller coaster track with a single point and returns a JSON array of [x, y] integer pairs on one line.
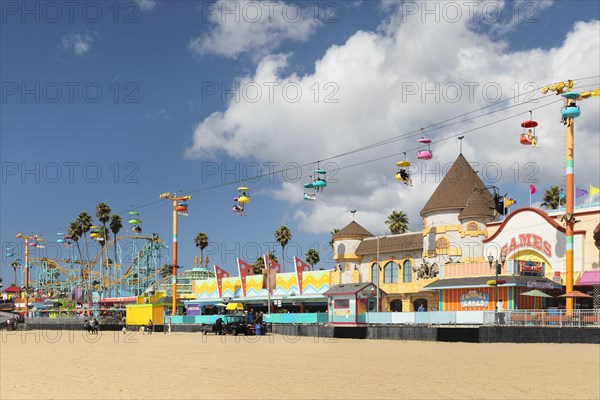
[[105, 248]]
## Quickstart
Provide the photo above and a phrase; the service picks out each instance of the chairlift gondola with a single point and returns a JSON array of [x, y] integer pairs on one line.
[[426, 154]]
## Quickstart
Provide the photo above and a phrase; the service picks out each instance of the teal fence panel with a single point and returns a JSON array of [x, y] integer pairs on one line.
[[292, 318]]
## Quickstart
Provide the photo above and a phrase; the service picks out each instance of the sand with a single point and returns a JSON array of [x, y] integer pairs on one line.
[[74, 365]]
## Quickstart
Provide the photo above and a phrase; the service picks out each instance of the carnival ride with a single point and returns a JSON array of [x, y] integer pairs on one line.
[[528, 137], [317, 184], [425, 154], [402, 175], [239, 207]]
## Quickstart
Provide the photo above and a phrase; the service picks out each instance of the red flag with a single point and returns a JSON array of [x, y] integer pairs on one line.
[[220, 274], [301, 267], [532, 188], [245, 270]]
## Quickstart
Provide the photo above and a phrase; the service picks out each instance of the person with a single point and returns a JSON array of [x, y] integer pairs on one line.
[[250, 317], [421, 308], [531, 138], [150, 327], [405, 177], [500, 312]]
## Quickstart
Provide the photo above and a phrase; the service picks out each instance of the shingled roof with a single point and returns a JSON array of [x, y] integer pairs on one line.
[[480, 204], [352, 229], [457, 189], [390, 244]]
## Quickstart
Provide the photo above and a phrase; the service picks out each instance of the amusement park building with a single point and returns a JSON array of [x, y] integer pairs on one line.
[[444, 266]]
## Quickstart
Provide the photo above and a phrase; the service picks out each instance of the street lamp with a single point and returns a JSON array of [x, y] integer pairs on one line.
[[499, 266]]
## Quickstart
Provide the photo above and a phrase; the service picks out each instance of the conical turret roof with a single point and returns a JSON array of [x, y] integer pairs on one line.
[[461, 189]]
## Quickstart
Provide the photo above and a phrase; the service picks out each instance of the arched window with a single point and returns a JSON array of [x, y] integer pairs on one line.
[[396, 305], [375, 273], [407, 265], [390, 272]]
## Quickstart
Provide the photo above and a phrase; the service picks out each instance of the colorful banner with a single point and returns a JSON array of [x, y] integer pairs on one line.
[[474, 299], [272, 264], [532, 189], [244, 270], [594, 190], [508, 202], [300, 267], [580, 192], [220, 274]]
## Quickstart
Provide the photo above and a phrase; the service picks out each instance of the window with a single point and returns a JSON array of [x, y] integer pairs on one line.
[[396, 305], [343, 303], [407, 271], [390, 272], [375, 273]]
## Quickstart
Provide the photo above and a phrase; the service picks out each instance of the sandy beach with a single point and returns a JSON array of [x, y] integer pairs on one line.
[[73, 365]]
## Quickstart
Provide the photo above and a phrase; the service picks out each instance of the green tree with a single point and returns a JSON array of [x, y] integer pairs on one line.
[[103, 215], [201, 242], [166, 270], [75, 233], [259, 264], [333, 232], [283, 235], [553, 198], [85, 222], [115, 227], [312, 257], [397, 222]]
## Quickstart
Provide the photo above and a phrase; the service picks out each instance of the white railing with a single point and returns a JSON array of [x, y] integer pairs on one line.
[[557, 318]]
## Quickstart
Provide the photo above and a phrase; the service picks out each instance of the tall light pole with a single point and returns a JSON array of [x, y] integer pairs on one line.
[[378, 271], [26, 239], [177, 209], [498, 264], [569, 112]]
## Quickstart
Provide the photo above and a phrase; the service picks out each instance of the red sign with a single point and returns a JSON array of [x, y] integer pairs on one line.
[[301, 267], [220, 274], [529, 267], [527, 240], [245, 270]]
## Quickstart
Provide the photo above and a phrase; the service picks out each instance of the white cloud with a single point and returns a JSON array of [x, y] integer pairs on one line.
[[78, 43], [371, 77], [252, 27], [147, 5]]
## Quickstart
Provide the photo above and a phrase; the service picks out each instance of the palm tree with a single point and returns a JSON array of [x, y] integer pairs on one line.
[[312, 257], [103, 215], [75, 233], [283, 235], [115, 227], [166, 271], [553, 198], [259, 264], [333, 232], [201, 241], [397, 222], [85, 221]]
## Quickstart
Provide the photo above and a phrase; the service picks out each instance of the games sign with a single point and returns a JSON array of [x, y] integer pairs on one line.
[[474, 299]]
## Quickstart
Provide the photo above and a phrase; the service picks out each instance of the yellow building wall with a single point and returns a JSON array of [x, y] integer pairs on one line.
[[140, 314]]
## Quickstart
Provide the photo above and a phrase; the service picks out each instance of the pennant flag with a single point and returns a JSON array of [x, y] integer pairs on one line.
[[301, 267], [245, 270], [508, 202], [562, 195], [220, 274], [580, 192], [594, 190], [532, 189]]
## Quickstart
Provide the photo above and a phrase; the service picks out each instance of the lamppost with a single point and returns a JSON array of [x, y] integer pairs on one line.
[[378, 274], [499, 265], [179, 208]]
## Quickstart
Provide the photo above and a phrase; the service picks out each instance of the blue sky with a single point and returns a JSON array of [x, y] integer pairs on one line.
[[156, 62]]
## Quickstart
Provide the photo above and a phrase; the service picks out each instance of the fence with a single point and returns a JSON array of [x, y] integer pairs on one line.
[[574, 318]]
